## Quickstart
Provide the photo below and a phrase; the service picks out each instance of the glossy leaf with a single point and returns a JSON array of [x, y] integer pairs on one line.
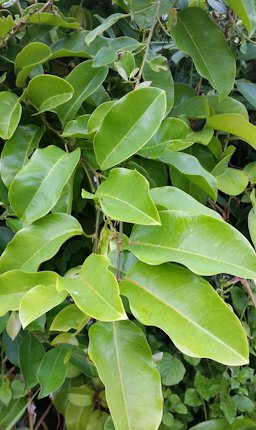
[[31, 353], [190, 167], [15, 283], [18, 149], [123, 357], [184, 238], [220, 424], [68, 318], [81, 396], [52, 371], [210, 52], [39, 242], [235, 124], [246, 11], [95, 291], [119, 201], [173, 298], [38, 301], [109, 53], [85, 80], [46, 92], [52, 19], [98, 115], [30, 56], [11, 414], [31, 193], [138, 115], [172, 198], [77, 128], [10, 113]]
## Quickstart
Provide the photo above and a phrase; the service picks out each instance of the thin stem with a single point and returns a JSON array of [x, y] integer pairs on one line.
[[96, 233], [148, 45], [42, 418], [247, 288], [119, 243]]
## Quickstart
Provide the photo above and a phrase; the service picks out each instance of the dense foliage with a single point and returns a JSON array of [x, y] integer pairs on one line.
[[128, 224]]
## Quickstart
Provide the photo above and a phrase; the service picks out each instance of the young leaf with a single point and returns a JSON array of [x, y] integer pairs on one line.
[[39, 242], [77, 417], [15, 283], [46, 92], [38, 301], [119, 201], [95, 291], [52, 371], [10, 113], [18, 149], [29, 57], [128, 125], [32, 194], [123, 358], [204, 244], [197, 35], [174, 299], [248, 89], [85, 80], [31, 353]]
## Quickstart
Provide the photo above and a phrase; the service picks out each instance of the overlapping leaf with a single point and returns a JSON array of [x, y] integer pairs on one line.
[[203, 244], [174, 299], [124, 362]]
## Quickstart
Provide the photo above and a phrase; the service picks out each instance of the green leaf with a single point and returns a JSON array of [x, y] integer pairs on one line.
[[15, 283], [235, 124], [85, 80], [6, 24], [68, 318], [123, 357], [221, 424], [46, 92], [172, 198], [95, 290], [171, 369], [10, 113], [11, 414], [184, 238], [81, 396], [138, 115], [232, 182], [119, 201], [197, 35], [98, 115], [77, 417], [106, 24], [52, 371], [174, 299], [38, 301], [52, 19], [246, 11], [161, 79], [39, 242], [29, 57], [32, 194], [17, 150], [74, 46], [31, 353], [109, 53], [248, 89], [190, 167], [78, 128]]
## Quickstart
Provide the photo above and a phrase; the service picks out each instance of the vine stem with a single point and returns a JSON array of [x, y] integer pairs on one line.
[[119, 243], [148, 45], [247, 288], [41, 421]]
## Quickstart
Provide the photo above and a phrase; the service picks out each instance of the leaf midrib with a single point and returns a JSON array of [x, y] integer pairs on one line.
[[190, 253], [190, 321]]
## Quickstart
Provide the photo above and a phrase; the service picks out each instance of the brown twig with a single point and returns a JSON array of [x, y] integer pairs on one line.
[[43, 416], [247, 288]]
